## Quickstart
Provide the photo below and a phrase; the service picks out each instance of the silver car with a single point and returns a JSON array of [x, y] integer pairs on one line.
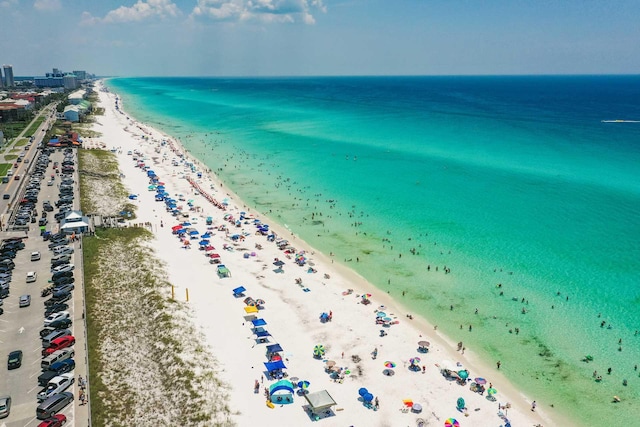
[[5, 406]]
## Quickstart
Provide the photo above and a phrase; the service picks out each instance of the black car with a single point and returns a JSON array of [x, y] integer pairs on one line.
[[60, 323], [58, 299], [55, 308], [61, 274], [63, 281], [15, 359], [61, 261]]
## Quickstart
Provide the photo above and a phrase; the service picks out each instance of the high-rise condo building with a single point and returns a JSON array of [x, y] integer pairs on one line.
[[8, 75]]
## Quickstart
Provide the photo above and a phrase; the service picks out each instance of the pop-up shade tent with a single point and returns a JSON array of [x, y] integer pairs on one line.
[[274, 366], [281, 392], [258, 322], [261, 332], [239, 291], [274, 348], [320, 401]]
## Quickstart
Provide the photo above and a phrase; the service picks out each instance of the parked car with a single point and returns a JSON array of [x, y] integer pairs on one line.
[[5, 406], [55, 308], [60, 281], [47, 340], [54, 404], [56, 316], [46, 331], [35, 256], [63, 250], [58, 343], [58, 420], [63, 366], [15, 359], [56, 276], [61, 323], [56, 385], [32, 277], [63, 268]]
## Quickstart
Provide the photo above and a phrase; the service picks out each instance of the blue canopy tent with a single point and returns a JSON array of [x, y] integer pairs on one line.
[[261, 332], [258, 322], [275, 366], [239, 292], [274, 348], [281, 392]]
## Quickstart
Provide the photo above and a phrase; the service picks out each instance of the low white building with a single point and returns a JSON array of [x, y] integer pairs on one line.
[[74, 222], [76, 97]]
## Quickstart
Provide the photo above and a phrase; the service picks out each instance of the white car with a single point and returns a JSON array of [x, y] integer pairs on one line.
[[56, 316], [61, 250], [56, 385], [35, 256], [32, 276], [63, 268]]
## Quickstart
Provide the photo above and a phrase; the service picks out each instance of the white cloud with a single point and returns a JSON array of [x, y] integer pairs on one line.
[[8, 3], [138, 12], [278, 11], [47, 4]]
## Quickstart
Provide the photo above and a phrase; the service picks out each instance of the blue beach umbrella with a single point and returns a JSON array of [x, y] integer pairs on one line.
[[367, 397], [363, 391]]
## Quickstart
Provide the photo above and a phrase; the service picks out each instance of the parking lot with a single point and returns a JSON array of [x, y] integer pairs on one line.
[[26, 269]]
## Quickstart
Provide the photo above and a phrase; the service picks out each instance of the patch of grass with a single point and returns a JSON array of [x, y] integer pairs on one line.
[[10, 156], [34, 126], [21, 142], [4, 168]]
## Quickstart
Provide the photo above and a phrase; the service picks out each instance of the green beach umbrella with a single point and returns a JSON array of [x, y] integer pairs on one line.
[[491, 391]]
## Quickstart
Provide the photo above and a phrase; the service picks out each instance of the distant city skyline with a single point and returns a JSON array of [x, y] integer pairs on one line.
[[320, 37]]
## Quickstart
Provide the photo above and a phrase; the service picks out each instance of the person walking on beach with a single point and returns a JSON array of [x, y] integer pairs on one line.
[[498, 364], [533, 406], [377, 403]]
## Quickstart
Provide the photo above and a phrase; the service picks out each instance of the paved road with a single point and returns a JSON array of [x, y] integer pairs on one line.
[[19, 327], [13, 186]]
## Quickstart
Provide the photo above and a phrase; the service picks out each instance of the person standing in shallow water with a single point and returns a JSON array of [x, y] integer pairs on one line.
[[498, 364]]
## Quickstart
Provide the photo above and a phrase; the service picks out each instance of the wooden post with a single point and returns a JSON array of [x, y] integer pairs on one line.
[[173, 292], [187, 292]]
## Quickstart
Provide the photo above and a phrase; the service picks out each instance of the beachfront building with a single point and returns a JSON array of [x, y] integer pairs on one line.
[[8, 75], [76, 97], [70, 81], [1, 82], [75, 223], [72, 113]]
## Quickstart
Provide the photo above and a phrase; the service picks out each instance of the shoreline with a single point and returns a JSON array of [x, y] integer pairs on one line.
[[418, 328]]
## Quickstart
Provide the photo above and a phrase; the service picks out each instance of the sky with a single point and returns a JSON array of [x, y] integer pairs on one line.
[[320, 37]]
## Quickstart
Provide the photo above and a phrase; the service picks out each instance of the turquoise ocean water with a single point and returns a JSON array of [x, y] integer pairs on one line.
[[504, 180]]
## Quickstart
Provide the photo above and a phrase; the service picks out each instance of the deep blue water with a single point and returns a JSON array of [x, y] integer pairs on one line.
[[511, 180]]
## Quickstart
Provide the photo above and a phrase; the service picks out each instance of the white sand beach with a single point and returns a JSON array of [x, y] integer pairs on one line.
[[292, 310]]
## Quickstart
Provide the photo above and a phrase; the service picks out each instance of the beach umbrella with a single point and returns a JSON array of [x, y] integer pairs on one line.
[[304, 384], [381, 314], [389, 364], [414, 360], [363, 391], [451, 422], [389, 372], [408, 402], [424, 343], [460, 404], [387, 319], [367, 397], [318, 350], [480, 381], [206, 235], [331, 363], [491, 391], [417, 408], [186, 223], [464, 374], [194, 232], [366, 295], [176, 227]]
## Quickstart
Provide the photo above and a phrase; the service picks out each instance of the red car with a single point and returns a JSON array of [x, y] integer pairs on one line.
[[58, 343], [56, 421]]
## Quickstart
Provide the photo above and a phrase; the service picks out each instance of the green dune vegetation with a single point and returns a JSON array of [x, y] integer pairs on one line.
[[147, 361]]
